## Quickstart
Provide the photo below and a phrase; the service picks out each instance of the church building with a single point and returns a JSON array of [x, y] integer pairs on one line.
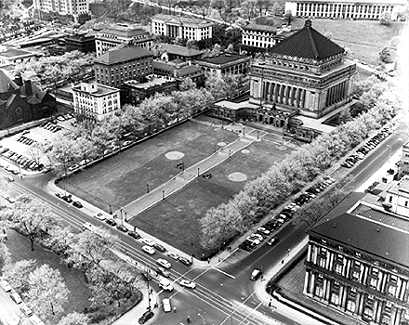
[[306, 74]]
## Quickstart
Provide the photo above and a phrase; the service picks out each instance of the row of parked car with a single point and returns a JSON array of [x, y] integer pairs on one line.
[[27, 141], [283, 216], [18, 159], [50, 126], [365, 149], [23, 307]]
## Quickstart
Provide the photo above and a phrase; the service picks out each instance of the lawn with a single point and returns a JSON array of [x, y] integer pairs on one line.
[[123, 178], [175, 220], [19, 247]]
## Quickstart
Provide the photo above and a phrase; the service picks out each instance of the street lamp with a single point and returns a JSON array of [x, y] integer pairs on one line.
[[163, 194], [110, 208], [198, 171], [147, 188]]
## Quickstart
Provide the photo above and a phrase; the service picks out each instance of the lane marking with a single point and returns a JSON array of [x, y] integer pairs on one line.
[[225, 273]]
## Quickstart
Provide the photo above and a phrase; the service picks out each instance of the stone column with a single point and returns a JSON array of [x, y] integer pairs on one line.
[[278, 97], [292, 96], [273, 85], [303, 92], [282, 93]]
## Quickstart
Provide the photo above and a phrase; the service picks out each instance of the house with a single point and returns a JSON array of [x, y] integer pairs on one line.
[[170, 52], [81, 41], [225, 63], [179, 70]]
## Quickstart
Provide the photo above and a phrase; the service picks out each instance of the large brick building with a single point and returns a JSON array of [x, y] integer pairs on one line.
[[119, 65], [358, 264], [21, 102]]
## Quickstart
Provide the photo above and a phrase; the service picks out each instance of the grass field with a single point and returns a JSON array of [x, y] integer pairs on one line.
[[175, 220], [123, 178]]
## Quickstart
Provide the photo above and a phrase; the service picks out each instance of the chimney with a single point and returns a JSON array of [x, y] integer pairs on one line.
[[19, 80], [29, 89]]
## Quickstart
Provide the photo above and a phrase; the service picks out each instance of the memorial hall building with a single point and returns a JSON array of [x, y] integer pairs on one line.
[[306, 74]]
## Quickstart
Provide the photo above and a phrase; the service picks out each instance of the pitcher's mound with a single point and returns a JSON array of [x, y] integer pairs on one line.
[[245, 151], [174, 155], [222, 144], [237, 177]]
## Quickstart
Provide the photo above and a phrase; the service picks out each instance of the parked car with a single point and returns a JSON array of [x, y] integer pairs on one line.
[[247, 246], [185, 261], [159, 247], [147, 315], [9, 198], [173, 255], [122, 228], [149, 250], [164, 263], [255, 274], [163, 272], [26, 311], [253, 240], [187, 284], [99, 216], [10, 178], [134, 234], [5, 285], [148, 242], [110, 222], [166, 285], [16, 297], [263, 231], [77, 204]]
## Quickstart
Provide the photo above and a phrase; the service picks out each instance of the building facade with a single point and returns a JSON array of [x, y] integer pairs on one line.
[[346, 9], [225, 63], [80, 42], [10, 56], [183, 27], [404, 161], [119, 65], [22, 102], [397, 196], [95, 102], [306, 73], [179, 71], [170, 52], [132, 35], [75, 8], [360, 267]]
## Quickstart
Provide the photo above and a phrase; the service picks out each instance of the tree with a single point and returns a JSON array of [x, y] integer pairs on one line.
[[191, 44], [32, 219], [65, 153], [47, 293], [288, 17], [385, 55], [385, 18], [278, 9], [74, 319], [4, 256], [36, 151], [17, 274], [216, 86], [187, 84]]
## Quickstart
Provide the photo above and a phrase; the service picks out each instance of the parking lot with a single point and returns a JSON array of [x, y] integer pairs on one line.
[[20, 153]]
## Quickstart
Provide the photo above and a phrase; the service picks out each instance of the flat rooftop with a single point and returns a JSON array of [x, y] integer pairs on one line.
[[150, 83]]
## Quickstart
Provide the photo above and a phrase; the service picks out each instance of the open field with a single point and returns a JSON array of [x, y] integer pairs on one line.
[[124, 177], [175, 220]]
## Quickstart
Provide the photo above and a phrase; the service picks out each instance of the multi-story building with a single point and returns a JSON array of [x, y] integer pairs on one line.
[[83, 42], [225, 63], [10, 56], [22, 102], [130, 35], [183, 27], [397, 196], [257, 38], [134, 92], [404, 161], [170, 52], [179, 71], [95, 102], [76, 8], [358, 264], [119, 65], [346, 9], [305, 74]]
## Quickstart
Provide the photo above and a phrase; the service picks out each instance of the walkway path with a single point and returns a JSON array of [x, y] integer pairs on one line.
[[188, 175]]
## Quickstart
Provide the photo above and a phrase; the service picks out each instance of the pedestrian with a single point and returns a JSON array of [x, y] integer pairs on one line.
[[156, 305], [174, 309], [208, 261], [188, 319]]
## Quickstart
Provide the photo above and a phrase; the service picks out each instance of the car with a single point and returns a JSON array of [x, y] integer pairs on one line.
[[9, 198], [122, 228], [148, 241], [263, 231], [187, 284], [110, 222], [134, 234], [10, 178], [99, 216], [253, 240], [25, 132], [26, 311], [166, 305], [67, 198], [147, 315], [159, 247], [77, 204], [164, 263], [148, 249], [16, 297], [255, 274], [127, 143], [247, 246], [273, 241], [5, 285], [173, 255], [87, 225], [185, 261], [163, 272], [166, 285], [257, 236]]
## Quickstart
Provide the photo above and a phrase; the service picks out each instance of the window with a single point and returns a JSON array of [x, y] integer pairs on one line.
[[373, 282], [351, 305], [334, 299], [367, 314], [338, 268], [355, 275], [392, 290], [319, 291]]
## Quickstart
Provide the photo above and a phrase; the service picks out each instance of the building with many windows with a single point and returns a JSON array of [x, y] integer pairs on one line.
[[404, 161], [179, 70], [83, 42], [358, 263], [95, 102], [225, 63], [397, 196], [76, 8], [184, 27], [306, 74], [119, 65], [114, 36], [346, 9]]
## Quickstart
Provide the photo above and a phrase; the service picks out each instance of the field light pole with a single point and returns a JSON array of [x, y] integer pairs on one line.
[[110, 208], [198, 171], [147, 188]]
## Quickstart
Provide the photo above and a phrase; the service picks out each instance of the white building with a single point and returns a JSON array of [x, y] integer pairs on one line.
[[113, 36], [10, 56], [63, 7], [95, 101], [346, 9], [184, 27], [397, 195], [404, 161]]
